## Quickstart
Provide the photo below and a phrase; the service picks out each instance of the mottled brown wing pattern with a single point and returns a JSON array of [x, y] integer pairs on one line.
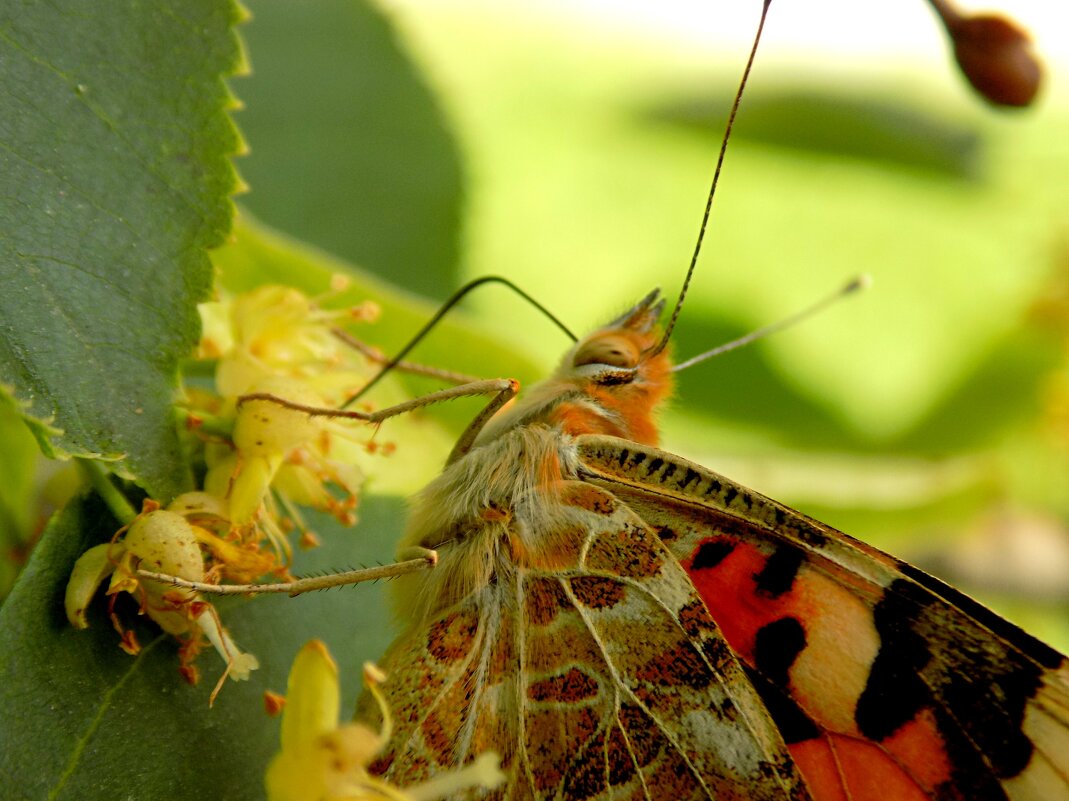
[[594, 671], [885, 682]]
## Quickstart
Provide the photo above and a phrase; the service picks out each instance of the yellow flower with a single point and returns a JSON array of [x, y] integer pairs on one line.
[[275, 340], [263, 459], [322, 760], [162, 541]]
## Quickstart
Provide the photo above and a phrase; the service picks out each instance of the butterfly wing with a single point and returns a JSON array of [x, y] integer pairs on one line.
[[885, 682], [594, 670]]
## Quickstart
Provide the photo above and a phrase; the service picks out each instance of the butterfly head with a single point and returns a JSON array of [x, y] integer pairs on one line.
[[614, 354], [613, 380]]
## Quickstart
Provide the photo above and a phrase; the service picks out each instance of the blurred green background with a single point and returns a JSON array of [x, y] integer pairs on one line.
[[572, 155]]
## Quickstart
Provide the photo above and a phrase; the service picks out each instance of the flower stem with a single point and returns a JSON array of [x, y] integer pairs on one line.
[[115, 500]]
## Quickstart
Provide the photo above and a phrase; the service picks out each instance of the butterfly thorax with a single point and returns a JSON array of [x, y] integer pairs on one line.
[[499, 507]]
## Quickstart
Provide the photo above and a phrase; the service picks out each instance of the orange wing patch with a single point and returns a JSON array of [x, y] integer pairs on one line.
[[885, 683], [549, 668]]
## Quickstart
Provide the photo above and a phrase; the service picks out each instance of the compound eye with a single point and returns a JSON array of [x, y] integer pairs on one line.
[[612, 351]]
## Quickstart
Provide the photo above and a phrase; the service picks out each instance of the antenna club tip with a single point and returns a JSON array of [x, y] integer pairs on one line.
[[859, 283]]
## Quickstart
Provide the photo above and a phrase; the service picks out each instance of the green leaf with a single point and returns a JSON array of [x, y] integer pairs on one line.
[[348, 149], [17, 488], [115, 135], [84, 721], [842, 123]]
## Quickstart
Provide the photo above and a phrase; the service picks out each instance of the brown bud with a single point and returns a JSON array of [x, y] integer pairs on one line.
[[995, 55]]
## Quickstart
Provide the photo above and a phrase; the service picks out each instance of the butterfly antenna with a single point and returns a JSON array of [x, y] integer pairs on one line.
[[859, 283], [663, 343], [453, 300]]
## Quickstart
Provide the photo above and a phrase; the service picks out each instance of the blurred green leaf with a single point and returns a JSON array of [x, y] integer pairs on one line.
[[841, 124], [117, 179], [348, 149], [16, 473], [16, 492], [1002, 392], [84, 721], [748, 390]]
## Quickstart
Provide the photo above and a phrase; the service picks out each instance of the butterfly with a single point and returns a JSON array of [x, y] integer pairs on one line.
[[617, 622]]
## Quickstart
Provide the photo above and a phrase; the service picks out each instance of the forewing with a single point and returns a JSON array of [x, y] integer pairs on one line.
[[886, 683], [593, 669]]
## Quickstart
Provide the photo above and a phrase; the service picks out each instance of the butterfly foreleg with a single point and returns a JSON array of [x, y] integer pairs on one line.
[[506, 389], [503, 390]]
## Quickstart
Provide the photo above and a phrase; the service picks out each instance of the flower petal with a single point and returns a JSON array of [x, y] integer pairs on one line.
[[312, 698], [90, 570]]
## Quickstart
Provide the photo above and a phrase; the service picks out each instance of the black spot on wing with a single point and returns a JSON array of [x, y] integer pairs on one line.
[[730, 495], [977, 685], [971, 777], [791, 720], [654, 466], [894, 692], [987, 681], [1000, 627], [781, 568], [666, 533], [711, 553], [776, 646], [714, 487], [976, 706], [814, 538], [689, 478]]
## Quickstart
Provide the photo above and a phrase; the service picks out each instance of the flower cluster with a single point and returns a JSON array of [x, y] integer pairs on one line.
[[260, 461], [274, 340]]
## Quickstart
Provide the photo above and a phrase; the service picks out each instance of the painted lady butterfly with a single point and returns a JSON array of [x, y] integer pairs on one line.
[[619, 623]]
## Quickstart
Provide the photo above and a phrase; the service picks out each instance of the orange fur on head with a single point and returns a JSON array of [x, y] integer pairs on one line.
[[622, 410]]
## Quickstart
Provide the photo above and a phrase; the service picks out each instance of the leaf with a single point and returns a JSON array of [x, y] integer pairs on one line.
[[348, 148], [843, 124], [748, 390], [17, 488], [117, 179], [84, 721]]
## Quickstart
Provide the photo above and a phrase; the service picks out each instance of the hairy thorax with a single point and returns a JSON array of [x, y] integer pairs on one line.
[[505, 505], [496, 509]]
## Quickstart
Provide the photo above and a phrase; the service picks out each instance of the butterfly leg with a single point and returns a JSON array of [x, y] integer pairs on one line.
[[423, 559], [506, 387], [503, 390]]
